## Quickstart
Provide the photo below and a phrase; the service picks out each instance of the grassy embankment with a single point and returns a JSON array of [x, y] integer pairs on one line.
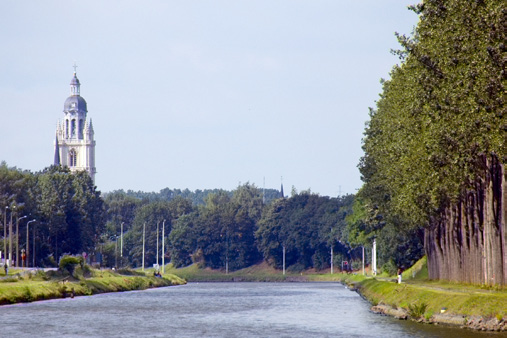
[[21, 287], [423, 298], [257, 273], [417, 295]]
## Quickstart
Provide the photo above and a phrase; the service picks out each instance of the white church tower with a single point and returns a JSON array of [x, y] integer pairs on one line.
[[74, 145]]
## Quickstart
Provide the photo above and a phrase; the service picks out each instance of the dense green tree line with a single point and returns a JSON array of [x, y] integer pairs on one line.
[[435, 144], [197, 197], [229, 231], [308, 226], [68, 211], [235, 230]]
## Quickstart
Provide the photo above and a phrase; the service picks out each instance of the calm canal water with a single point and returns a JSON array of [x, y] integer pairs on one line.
[[215, 310]]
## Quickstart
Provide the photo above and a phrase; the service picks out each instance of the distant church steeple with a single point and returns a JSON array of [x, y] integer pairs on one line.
[[75, 144], [57, 152], [281, 188]]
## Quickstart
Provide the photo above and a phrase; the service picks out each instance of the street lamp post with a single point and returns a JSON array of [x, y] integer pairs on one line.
[[144, 235], [116, 252], [363, 259], [332, 254], [5, 234], [27, 241], [283, 259], [374, 257], [157, 243], [10, 238], [121, 244], [17, 239], [163, 247], [33, 247]]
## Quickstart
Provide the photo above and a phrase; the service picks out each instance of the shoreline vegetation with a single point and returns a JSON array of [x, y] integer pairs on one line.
[[22, 286]]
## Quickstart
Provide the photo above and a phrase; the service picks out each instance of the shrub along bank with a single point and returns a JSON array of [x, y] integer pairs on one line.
[[30, 287]]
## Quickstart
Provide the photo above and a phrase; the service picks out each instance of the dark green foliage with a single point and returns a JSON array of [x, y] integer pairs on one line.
[[68, 264], [220, 234], [149, 217], [307, 225], [27, 295], [197, 197], [71, 209], [417, 310], [183, 239], [435, 144], [68, 210]]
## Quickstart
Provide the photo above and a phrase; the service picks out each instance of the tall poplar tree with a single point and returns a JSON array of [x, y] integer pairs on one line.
[[435, 147]]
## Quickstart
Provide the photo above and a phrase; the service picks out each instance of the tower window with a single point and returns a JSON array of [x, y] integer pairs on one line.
[[80, 128], [72, 158], [73, 128]]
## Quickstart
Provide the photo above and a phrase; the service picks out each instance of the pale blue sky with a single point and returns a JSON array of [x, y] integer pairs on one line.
[[200, 94]]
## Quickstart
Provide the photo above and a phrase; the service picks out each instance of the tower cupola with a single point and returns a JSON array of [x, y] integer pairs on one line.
[[74, 85]]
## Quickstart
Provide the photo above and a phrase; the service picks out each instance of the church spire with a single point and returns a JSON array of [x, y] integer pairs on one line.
[[57, 152], [74, 83]]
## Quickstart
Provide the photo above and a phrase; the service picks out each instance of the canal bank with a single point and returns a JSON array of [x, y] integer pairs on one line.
[[21, 287], [440, 303]]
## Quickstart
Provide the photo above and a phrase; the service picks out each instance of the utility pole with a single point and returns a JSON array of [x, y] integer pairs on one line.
[[116, 251], [121, 242], [227, 251], [10, 238], [157, 242], [374, 257], [163, 247], [33, 243], [283, 260], [5, 235], [144, 234], [332, 259], [363, 260]]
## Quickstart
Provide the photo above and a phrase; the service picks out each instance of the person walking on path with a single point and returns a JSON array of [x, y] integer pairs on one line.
[[6, 267]]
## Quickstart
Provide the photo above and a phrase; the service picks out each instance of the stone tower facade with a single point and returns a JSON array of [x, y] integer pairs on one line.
[[75, 144]]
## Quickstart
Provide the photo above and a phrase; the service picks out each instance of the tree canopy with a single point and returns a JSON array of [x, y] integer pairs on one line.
[[436, 138]]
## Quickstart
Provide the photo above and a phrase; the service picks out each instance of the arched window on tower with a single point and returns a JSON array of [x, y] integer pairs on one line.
[[80, 128], [66, 128], [72, 158], [73, 128]]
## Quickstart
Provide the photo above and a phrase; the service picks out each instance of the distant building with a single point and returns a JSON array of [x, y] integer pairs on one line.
[[74, 144]]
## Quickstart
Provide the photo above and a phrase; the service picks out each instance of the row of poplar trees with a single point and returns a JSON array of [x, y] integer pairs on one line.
[[435, 146]]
